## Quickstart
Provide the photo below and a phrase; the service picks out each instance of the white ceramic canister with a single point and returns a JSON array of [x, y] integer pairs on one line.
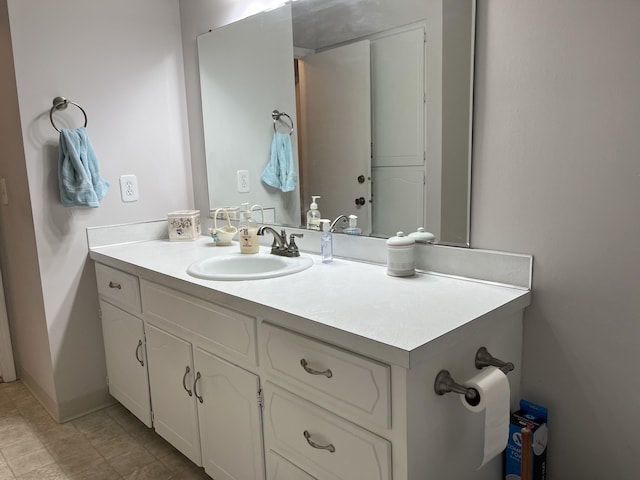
[[400, 256]]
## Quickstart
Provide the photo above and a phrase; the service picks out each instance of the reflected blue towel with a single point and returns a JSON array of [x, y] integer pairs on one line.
[[280, 172], [78, 173]]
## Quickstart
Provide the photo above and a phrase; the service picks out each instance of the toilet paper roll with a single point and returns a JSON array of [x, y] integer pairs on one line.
[[493, 387]]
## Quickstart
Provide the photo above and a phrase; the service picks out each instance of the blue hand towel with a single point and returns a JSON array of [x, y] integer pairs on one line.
[[280, 172], [78, 173]]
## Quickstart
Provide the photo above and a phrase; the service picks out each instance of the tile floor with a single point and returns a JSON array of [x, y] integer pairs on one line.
[[105, 445]]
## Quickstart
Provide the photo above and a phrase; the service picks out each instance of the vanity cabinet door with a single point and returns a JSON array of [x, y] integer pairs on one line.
[[126, 360], [229, 411], [280, 469], [171, 377]]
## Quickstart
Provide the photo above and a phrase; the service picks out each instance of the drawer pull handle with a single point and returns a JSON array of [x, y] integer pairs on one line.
[[139, 349], [329, 447], [115, 285], [327, 373], [195, 388], [184, 381]]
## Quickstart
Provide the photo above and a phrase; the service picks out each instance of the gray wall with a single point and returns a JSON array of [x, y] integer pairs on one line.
[[556, 174], [122, 61]]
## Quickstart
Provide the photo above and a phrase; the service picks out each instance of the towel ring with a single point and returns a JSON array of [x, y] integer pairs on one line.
[[60, 103], [277, 116]]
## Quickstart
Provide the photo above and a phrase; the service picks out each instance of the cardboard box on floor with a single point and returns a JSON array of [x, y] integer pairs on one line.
[[534, 417]]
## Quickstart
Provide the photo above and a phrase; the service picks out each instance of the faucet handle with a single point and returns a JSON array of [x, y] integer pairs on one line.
[[293, 248]]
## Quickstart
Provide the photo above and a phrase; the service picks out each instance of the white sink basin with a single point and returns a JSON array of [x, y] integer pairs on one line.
[[238, 266]]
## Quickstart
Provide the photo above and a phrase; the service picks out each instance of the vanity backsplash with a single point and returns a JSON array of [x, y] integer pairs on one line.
[[486, 265]]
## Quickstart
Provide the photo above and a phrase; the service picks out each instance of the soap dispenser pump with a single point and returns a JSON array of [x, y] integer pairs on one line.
[[248, 232], [353, 228], [313, 215]]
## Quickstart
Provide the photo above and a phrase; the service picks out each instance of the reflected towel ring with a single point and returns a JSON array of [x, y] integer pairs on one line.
[[277, 116], [60, 103]]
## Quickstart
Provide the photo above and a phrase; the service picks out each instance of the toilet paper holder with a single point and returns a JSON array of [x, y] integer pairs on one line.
[[444, 383], [485, 359]]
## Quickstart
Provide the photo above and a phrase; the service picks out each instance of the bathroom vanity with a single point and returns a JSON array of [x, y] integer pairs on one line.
[[324, 374]]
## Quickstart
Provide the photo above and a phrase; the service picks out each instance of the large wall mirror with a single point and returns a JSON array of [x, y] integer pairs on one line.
[[376, 102]]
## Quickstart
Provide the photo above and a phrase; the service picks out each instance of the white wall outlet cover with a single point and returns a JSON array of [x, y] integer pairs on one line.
[[129, 188], [243, 181]]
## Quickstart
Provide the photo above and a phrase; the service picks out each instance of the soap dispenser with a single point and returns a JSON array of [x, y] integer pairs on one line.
[[313, 215], [326, 241], [353, 228], [248, 232]]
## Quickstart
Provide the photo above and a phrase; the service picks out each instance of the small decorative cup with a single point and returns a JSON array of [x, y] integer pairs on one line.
[[222, 236]]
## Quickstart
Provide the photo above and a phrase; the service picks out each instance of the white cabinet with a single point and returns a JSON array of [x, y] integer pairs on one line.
[[124, 341], [206, 406], [254, 393], [171, 378], [126, 360], [230, 419]]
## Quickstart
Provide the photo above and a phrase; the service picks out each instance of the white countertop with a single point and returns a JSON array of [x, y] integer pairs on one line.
[[359, 298]]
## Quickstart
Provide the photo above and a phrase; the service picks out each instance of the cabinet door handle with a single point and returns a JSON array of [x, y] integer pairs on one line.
[[329, 447], [327, 373], [184, 381], [195, 388], [139, 349], [115, 285]]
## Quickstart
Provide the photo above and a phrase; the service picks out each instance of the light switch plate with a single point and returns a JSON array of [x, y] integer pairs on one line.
[[129, 188]]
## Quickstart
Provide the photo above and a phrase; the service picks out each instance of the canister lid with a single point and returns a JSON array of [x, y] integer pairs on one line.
[[422, 236], [400, 240]]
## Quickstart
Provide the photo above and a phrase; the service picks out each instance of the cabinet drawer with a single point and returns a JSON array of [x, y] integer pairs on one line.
[[119, 287], [327, 444], [226, 331], [344, 380]]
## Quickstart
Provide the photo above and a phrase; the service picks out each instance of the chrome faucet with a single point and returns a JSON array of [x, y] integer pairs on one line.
[[332, 228], [280, 245]]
